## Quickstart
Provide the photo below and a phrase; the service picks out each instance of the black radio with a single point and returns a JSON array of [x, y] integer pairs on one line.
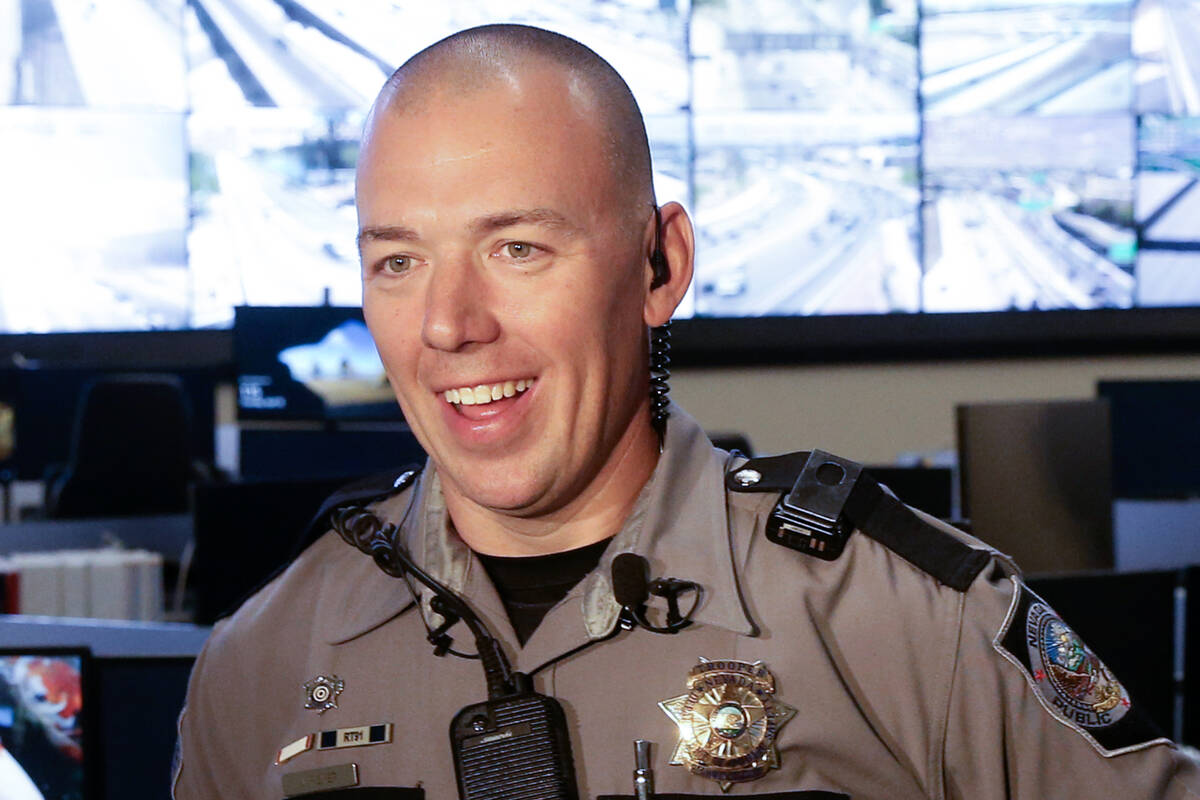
[[513, 748]]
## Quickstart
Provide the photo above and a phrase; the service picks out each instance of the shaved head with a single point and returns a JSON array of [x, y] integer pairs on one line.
[[480, 59], [510, 248]]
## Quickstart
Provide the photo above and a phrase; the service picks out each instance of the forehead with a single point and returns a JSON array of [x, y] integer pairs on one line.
[[531, 140]]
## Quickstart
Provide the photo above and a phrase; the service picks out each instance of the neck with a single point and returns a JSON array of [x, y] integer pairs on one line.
[[596, 513]]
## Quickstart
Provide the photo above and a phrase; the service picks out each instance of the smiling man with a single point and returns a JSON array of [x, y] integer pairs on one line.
[[838, 645], [506, 219]]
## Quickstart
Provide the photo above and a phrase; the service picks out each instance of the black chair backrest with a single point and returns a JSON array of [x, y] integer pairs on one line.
[[130, 453]]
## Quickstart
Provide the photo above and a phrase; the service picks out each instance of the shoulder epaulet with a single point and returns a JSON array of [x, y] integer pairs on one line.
[[824, 498], [370, 489]]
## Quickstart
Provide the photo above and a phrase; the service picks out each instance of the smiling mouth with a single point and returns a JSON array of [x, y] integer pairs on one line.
[[486, 393]]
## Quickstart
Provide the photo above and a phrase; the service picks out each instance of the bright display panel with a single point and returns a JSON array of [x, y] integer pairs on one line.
[[43, 708], [839, 157]]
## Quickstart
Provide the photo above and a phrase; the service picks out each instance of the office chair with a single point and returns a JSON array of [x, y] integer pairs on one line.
[[130, 452]]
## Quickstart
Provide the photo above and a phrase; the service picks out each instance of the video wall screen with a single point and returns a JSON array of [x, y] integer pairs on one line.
[[839, 157]]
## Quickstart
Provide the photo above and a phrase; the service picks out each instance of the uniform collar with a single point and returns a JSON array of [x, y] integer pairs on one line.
[[679, 524]]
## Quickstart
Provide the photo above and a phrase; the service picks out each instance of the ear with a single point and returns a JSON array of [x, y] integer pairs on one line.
[[677, 241]]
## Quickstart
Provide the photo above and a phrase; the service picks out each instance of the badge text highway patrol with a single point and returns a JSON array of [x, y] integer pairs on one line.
[[321, 693], [728, 721]]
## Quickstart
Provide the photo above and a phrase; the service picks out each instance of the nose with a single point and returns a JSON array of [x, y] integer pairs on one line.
[[458, 310]]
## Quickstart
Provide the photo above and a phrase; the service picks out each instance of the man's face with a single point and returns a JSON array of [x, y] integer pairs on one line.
[[499, 262]]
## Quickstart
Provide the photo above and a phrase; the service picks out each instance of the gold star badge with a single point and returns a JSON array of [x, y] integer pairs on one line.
[[728, 721]]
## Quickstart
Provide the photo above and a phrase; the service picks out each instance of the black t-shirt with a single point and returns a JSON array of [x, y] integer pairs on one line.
[[530, 586]]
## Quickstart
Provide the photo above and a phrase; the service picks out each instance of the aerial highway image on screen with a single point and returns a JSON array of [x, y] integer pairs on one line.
[[272, 209], [329, 53], [805, 158], [93, 214], [806, 214], [68, 53], [1166, 42], [1168, 211], [279, 93], [837, 156], [1003, 58], [1028, 213]]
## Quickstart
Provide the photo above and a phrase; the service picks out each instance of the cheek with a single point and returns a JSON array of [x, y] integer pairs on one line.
[[393, 336]]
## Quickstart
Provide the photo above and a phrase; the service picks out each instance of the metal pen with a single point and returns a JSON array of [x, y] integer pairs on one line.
[[643, 776]]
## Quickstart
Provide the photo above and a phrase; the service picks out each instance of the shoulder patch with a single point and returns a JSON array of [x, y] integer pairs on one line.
[[825, 498], [1070, 682]]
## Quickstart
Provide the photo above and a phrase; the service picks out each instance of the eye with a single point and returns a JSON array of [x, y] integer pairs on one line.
[[397, 264], [519, 250]]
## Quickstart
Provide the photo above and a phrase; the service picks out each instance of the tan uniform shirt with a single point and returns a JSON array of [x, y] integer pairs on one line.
[[900, 685]]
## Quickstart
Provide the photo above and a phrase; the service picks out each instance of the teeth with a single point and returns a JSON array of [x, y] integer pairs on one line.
[[483, 394]]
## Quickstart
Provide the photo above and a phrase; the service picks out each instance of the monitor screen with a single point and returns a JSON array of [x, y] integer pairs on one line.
[[1155, 437], [139, 748], [8, 422], [852, 161], [46, 752], [309, 363]]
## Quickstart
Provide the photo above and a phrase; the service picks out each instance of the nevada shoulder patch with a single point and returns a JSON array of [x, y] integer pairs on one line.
[[1070, 681]]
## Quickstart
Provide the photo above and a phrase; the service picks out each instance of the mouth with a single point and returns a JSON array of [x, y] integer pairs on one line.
[[487, 393]]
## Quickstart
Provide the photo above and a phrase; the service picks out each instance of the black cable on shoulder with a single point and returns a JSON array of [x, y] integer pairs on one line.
[[364, 530]]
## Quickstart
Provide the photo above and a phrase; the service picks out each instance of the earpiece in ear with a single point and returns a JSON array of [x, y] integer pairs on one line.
[[658, 262]]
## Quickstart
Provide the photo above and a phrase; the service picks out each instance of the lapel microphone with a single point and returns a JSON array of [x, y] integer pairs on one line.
[[632, 588]]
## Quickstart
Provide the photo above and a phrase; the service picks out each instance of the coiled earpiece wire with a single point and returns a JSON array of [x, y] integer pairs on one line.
[[660, 342]]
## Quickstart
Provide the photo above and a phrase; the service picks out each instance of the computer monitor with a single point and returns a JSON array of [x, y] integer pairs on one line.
[[1155, 437], [1036, 481], [8, 421], [309, 363], [47, 718], [345, 453], [139, 746], [244, 533]]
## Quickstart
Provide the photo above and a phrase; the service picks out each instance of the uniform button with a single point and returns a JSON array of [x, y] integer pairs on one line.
[[747, 477]]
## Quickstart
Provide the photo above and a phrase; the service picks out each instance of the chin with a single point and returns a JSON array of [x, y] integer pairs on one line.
[[517, 497]]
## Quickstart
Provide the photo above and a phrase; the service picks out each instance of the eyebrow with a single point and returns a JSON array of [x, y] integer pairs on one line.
[[386, 233], [547, 217], [531, 216]]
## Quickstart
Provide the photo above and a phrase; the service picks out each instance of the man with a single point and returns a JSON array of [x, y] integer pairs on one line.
[[513, 264]]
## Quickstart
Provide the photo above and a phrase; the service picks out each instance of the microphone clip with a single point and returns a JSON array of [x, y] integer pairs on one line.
[[671, 589], [632, 589]]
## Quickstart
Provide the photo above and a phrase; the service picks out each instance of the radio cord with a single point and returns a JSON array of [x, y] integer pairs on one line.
[[364, 530]]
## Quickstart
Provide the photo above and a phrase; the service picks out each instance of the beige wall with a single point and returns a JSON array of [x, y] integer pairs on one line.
[[871, 413]]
